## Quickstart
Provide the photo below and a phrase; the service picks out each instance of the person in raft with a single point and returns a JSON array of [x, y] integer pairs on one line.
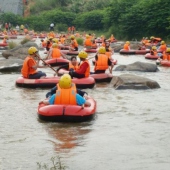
[[126, 46], [55, 52], [154, 51], [73, 44], [84, 68], [66, 94], [73, 65], [102, 62], [166, 55], [30, 65]]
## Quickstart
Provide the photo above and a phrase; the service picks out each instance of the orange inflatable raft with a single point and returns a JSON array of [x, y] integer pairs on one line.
[[57, 61], [50, 82], [67, 113]]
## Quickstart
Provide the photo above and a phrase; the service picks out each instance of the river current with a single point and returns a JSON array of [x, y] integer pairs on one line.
[[131, 130]]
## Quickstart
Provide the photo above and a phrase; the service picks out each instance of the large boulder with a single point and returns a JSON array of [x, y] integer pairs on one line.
[[128, 81], [11, 65], [138, 66], [20, 51]]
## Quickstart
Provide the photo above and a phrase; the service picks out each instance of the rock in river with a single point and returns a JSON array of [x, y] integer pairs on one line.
[[128, 81], [138, 66]]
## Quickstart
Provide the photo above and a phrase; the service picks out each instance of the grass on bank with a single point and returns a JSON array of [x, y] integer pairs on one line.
[[12, 44]]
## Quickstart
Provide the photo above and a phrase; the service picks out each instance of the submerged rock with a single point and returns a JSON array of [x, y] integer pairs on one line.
[[128, 81], [20, 51], [138, 66], [11, 65]]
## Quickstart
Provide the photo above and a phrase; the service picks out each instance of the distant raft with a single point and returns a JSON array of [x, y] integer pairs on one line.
[[151, 57], [67, 113]]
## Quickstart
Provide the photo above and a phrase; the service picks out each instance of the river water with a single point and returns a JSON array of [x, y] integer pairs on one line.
[[131, 130]]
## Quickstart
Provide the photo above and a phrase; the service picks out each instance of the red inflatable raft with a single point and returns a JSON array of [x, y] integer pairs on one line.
[[122, 51], [12, 37], [3, 44], [50, 82], [67, 113], [165, 63], [151, 57], [102, 77], [90, 50], [64, 47], [67, 52], [57, 61]]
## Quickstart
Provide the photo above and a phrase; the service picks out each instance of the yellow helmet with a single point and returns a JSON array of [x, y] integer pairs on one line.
[[32, 50], [152, 37], [82, 54], [127, 42], [87, 36], [162, 42], [154, 48], [55, 45], [65, 81], [168, 50], [102, 50], [72, 37], [55, 40]]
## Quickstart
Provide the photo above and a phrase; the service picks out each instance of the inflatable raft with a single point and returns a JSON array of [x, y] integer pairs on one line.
[[67, 52], [102, 77], [57, 61], [90, 50], [64, 47], [122, 51], [67, 113], [165, 63], [151, 57], [12, 37], [3, 44], [50, 82]]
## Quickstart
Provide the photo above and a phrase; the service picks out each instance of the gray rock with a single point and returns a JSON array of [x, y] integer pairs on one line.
[[138, 66], [11, 65], [20, 51], [128, 81]]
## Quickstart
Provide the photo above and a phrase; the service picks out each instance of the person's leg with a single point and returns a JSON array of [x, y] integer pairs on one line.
[[37, 75], [74, 74]]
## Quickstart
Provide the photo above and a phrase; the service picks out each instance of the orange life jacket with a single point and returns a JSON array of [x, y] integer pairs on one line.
[[4, 41], [66, 96], [126, 47], [74, 43], [166, 56], [62, 40], [72, 66], [56, 53], [163, 47], [153, 52], [88, 42], [87, 73], [26, 71], [44, 44], [102, 62], [109, 54]]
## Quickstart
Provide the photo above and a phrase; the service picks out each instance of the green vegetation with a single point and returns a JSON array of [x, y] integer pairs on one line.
[[12, 45], [56, 164], [80, 41], [125, 19], [25, 40]]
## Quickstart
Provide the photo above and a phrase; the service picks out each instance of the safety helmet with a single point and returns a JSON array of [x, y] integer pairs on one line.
[[162, 42], [6, 37], [72, 37], [65, 81], [87, 36], [168, 50], [50, 38], [102, 50], [82, 54], [55, 45], [55, 40], [152, 37], [32, 50], [154, 48], [127, 42]]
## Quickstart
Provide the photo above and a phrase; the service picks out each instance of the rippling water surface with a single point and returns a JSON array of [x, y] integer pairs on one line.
[[131, 130]]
